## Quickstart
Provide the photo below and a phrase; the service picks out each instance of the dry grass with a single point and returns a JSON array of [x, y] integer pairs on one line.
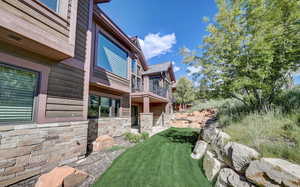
[[274, 134]]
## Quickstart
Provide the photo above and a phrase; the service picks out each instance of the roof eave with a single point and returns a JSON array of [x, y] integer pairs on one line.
[[101, 1], [104, 19]]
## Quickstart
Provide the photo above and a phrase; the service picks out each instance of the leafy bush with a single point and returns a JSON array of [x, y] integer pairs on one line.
[[136, 138], [145, 135]]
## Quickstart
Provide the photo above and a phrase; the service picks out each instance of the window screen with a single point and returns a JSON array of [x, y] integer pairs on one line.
[[17, 92], [111, 57]]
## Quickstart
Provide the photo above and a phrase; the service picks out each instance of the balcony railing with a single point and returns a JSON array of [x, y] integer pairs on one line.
[[137, 89], [159, 91]]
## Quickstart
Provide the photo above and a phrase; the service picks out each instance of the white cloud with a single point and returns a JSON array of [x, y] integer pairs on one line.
[[154, 44], [176, 68], [192, 70]]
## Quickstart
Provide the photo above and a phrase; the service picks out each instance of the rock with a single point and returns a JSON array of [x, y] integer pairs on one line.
[[62, 177], [228, 177], [103, 142], [215, 136], [75, 179], [216, 139], [239, 156], [199, 150], [273, 172], [211, 166]]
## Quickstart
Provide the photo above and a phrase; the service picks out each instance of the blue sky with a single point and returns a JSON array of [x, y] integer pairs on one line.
[[164, 26]]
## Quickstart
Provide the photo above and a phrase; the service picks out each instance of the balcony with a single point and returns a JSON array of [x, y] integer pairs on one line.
[[137, 89], [159, 91]]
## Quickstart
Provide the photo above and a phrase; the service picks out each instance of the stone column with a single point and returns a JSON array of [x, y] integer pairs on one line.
[[146, 83], [146, 122], [146, 104]]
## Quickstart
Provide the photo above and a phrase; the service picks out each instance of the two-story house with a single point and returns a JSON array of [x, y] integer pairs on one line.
[[151, 94], [44, 85], [69, 74]]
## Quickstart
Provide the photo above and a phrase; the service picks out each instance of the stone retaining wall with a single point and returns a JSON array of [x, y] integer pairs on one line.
[[229, 163], [107, 126], [29, 150]]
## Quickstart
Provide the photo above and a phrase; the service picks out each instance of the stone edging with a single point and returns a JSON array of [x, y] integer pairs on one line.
[[229, 163]]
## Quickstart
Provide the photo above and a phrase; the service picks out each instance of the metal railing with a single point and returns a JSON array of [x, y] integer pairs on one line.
[[159, 91]]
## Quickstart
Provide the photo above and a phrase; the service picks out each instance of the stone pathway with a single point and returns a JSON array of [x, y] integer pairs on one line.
[[97, 163]]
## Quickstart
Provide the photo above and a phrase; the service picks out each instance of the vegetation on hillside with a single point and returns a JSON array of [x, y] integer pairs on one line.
[[185, 92], [162, 160], [275, 133], [251, 51]]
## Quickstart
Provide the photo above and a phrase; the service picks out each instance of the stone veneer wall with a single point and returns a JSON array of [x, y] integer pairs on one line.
[[32, 149], [107, 126], [146, 122]]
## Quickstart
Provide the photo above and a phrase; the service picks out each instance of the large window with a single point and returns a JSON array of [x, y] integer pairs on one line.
[[52, 4], [18, 88], [103, 107], [111, 57], [133, 66]]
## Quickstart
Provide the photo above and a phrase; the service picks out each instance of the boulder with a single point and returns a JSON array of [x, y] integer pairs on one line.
[[103, 142], [62, 177], [215, 136], [273, 172], [228, 177], [211, 166], [199, 150], [216, 139], [239, 156]]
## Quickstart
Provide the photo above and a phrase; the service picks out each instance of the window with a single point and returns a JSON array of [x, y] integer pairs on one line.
[[103, 107], [133, 81], [52, 4], [111, 57], [133, 66], [18, 88], [139, 70]]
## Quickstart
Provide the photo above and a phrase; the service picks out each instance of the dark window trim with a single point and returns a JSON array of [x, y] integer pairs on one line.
[[35, 99]]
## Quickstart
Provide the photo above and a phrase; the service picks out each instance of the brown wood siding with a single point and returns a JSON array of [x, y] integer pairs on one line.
[[34, 13], [81, 29], [109, 79], [65, 92]]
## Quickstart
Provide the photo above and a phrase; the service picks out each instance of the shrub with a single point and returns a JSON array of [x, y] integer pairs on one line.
[[145, 135], [136, 138]]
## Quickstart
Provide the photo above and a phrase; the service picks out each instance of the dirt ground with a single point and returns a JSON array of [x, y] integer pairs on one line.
[[196, 119]]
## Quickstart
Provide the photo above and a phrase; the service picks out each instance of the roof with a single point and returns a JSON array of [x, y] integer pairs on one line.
[[162, 67], [102, 1]]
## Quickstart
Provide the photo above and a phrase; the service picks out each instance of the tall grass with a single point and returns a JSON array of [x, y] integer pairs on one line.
[[275, 133]]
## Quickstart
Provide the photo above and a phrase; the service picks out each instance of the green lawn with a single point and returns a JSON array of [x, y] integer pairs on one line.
[[161, 161]]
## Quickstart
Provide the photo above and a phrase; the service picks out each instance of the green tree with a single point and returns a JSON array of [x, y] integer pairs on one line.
[[184, 93], [251, 51]]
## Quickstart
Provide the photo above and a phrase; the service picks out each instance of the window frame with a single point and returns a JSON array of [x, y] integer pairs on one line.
[[99, 32], [34, 116], [58, 6], [117, 99]]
